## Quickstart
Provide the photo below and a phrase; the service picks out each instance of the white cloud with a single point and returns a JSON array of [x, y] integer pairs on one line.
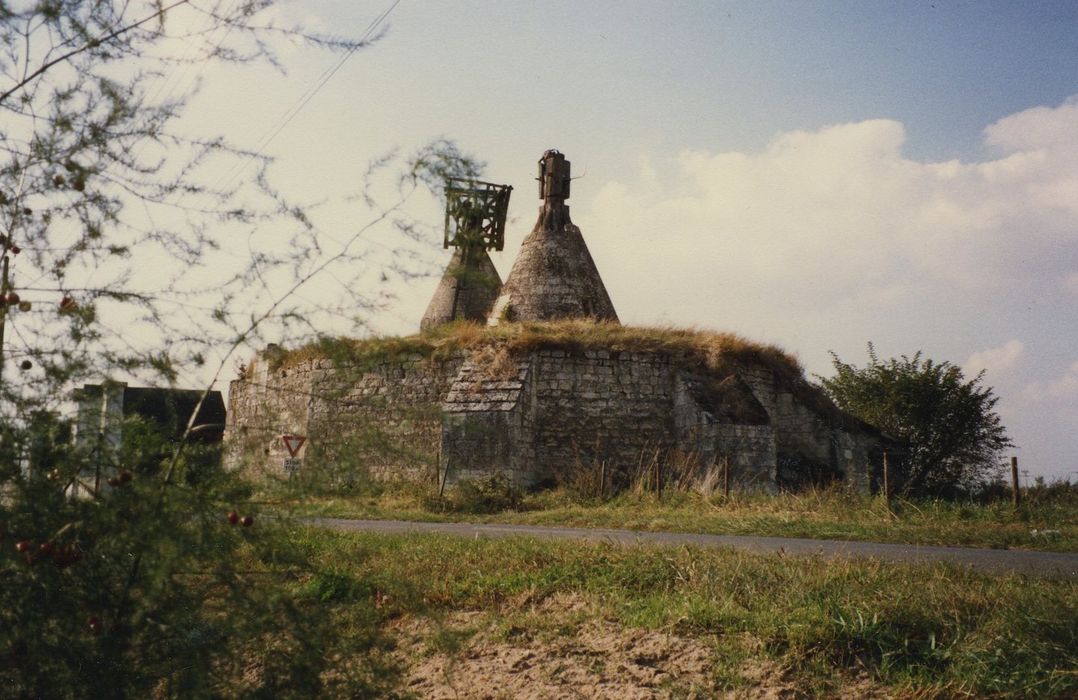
[[827, 218], [1062, 388], [830, 238], [1036, 128], [994, 361]]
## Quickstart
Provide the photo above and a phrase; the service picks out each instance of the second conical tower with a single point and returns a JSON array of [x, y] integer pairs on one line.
[[554, 276], [467, 290], [474, 223]]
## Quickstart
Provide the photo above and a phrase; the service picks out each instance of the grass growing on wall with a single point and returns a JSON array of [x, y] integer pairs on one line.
[[711, 349], [707, 352]]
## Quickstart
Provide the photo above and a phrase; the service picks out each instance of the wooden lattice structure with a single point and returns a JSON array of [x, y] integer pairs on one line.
[[475, 214]]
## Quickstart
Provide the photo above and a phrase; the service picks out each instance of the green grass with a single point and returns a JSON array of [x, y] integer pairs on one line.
[[920, 630], [821, 514]]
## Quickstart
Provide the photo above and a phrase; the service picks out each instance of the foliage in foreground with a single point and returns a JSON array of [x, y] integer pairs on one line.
[[933, 630], [117, 224], [954, 439], [166, 583]]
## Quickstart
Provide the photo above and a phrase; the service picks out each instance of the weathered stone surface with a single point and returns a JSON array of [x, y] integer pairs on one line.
[[382, 421], [547, 413], [553, 277], [467, 290]]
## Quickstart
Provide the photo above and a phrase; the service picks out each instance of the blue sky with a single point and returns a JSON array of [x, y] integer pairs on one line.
[[730, 75], [813, 174]]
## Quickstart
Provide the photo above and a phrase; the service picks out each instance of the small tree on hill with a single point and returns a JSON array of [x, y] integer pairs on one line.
[[954, 437]]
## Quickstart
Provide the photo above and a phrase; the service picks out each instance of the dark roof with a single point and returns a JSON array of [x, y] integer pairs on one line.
[[172, 408]]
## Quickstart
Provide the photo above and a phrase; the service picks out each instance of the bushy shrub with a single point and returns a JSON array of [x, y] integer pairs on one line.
[[155, 584]]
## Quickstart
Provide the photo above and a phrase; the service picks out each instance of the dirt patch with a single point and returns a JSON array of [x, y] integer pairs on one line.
[[559, 649]]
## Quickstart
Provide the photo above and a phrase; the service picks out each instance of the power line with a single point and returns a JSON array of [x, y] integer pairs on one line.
[[302, 101], [183, 66]]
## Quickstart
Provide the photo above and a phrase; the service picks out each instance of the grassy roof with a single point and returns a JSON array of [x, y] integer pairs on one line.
[[710, 349], [708, 352]]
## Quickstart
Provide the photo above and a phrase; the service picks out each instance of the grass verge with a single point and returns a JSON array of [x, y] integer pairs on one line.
[[924, 631], [1047, 525]]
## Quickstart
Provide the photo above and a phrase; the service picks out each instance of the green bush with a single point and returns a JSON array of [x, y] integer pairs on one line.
[[147, 587]]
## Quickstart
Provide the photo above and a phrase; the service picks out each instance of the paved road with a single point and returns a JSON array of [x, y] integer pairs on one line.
[[1041, 564]]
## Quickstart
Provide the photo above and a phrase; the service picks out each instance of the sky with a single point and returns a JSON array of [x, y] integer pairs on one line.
[[817, 175]]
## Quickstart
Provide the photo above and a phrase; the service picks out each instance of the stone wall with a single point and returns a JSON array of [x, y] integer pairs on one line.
[[262, 406], [599, 406], [381, 420], [564, 410], [537, 415], [725, 422], [814, 442], [488, 422]]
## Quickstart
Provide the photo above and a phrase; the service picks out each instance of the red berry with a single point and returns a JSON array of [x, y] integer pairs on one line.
[[26, 364], [114, 482], [15, 250], [95, 625], [233, 517], [67, 304], [12, 298], [58, 180], [23, 546], [247, 521], [79, 184], [46, 548], [126, 476]]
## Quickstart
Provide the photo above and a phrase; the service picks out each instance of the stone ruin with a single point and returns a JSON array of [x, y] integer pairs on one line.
[[548, 385]]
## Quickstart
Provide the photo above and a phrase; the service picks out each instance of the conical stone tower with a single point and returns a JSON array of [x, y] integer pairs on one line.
[[554, 276], [467, 291], [474, 223]]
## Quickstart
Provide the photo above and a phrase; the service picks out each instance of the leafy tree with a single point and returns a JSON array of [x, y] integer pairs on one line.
[[954, 438], [115, 230]]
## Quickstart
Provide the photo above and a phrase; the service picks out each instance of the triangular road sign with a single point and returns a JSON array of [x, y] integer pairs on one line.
[[292, 443]]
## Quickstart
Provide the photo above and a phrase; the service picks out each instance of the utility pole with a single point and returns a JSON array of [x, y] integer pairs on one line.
[[886, 480], [1016, 490], [3, 308]]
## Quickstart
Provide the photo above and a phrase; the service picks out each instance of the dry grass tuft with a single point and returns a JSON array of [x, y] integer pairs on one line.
[[709, 350]]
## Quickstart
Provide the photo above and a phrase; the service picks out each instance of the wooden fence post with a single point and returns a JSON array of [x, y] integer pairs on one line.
[[1015, 488], [886, 480], [602, 480], [726, 477], [445, 475]]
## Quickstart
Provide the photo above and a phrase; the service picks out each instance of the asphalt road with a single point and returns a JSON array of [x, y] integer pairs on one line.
[[996, 561]]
